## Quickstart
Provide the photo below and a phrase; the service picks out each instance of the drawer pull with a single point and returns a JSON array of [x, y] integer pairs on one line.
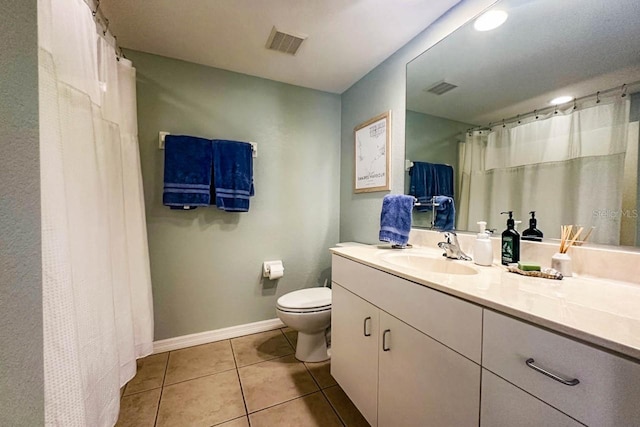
[[384, 340], [366, 334], [530, 363]]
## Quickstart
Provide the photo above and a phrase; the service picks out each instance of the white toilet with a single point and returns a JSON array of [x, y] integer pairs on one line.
[[308, 311]]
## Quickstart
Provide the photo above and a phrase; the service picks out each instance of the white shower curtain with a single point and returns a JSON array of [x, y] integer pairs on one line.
[[567, 166], [97, 305]]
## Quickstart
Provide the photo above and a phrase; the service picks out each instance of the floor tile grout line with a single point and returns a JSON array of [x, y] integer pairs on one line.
[[198, 377], [288, 340], [335, 411], [126, 386], [312, 376], [279, 403], [138, 392], [293, 350], [244, 400], [164, 377], [266, 360], [228, 421], [269, 360], [283, 402]]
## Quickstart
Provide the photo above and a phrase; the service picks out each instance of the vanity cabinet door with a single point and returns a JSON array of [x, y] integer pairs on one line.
[[354, 349], [422, 382], [505, 405]]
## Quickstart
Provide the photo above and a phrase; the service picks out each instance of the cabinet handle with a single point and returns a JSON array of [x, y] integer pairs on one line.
[[365, 327], [530, 363], [384, 340]]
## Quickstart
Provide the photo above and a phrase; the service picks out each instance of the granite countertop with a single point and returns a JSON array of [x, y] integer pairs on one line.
[[599, 311]]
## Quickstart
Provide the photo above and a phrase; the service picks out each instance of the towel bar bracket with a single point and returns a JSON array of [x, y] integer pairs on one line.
[[161, 136]]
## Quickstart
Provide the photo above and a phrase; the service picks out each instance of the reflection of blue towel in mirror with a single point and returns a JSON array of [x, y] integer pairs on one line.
[[445, 213], [429, 180], [395, 219]]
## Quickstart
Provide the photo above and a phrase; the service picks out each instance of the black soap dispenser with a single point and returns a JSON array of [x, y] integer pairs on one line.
[[532, 233], [510, 241]]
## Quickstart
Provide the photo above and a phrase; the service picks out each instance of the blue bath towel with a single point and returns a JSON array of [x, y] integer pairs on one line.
[[445, 213], [429, 180], [187, 172], [395, 219], [232, 175]]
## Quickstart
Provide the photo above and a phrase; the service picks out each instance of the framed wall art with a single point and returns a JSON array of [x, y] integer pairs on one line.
[[372, 148]]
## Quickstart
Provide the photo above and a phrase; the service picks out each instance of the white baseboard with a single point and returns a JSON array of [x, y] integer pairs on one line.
[[184, 341]]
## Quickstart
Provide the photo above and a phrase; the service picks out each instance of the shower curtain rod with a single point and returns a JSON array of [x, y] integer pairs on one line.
[[623, 90], [97, 13]]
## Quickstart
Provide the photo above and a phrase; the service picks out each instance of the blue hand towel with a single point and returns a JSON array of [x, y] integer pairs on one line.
[[429, 180], [395, 219], [187, 172], [445, 213], [232, 175]]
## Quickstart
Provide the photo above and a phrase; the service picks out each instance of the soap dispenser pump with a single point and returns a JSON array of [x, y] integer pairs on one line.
[[510, 241], [532, 233], [483, 250]]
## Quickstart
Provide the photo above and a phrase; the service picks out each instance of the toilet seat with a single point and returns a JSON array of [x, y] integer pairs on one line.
[[311, 300]]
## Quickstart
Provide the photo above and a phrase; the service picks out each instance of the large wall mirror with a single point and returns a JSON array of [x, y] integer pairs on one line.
[[484, 104]]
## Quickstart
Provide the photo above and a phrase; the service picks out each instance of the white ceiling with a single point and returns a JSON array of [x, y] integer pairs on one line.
[[346, 38], [546, 48]]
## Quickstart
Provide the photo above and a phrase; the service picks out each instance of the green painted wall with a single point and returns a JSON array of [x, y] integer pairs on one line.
[[383, 89], [21, 357], [206, 264]]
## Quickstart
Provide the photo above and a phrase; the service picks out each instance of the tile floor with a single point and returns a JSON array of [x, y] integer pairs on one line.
[[249, 381]]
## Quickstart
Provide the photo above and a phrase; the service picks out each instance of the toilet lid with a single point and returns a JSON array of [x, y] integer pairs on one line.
[[306, 298]]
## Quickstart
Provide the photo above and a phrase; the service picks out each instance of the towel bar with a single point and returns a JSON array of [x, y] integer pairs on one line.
[[162, 134]]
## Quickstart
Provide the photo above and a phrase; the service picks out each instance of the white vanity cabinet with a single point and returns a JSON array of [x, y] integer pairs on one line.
[[408, 355], [395, 373]]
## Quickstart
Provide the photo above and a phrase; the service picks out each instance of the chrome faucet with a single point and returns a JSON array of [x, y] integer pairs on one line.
[[452, 248]]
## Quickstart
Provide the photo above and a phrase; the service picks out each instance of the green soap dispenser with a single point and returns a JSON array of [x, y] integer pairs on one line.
[[510, 241], [532, 233]]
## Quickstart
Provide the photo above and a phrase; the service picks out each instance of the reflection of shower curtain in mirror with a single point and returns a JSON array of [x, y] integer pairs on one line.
[[567, 166]]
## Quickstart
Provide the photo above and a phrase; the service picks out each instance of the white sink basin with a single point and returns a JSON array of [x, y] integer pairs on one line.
[[428, 263]]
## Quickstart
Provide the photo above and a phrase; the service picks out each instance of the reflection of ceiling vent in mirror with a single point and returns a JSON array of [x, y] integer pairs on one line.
[[441, 88], [283, 42]]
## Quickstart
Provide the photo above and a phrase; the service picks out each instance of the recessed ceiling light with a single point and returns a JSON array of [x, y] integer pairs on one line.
[[490, 20], [561, 100]]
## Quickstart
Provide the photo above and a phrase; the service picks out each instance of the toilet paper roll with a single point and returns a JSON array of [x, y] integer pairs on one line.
[[273, 269], [276, 271]]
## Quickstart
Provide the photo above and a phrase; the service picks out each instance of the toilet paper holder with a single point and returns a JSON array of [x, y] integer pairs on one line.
[[271, 268]]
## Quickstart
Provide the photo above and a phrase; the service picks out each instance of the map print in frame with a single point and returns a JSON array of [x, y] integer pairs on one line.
[[372, 154]]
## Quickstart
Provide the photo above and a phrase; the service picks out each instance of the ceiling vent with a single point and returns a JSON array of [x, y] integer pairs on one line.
[[441, 88], [283, 42]]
